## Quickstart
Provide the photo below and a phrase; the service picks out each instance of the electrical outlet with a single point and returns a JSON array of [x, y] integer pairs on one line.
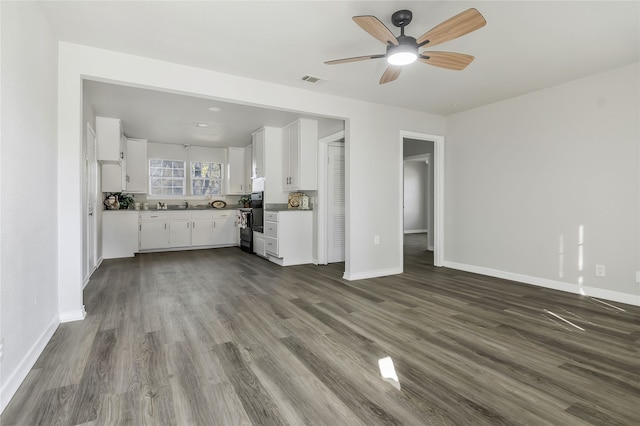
[[600, 270], [1, 348], [376, 239]]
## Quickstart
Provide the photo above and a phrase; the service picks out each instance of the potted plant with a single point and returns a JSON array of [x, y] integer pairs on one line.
[[245, 200]]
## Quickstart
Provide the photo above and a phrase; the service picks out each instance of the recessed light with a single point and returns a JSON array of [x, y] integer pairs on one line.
[[215, 109], [202, 125]]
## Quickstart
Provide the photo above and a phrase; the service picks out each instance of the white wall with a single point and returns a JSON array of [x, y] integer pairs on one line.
[[28, 191], [415, 191], [524, 175]]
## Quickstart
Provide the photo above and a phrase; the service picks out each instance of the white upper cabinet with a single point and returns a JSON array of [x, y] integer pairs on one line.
[[137, 166], [235, 171], [300, 155], [110, 140], [257, 158], [248, 164]]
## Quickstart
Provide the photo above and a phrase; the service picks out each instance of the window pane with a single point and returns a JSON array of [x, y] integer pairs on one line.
[[166, 177]]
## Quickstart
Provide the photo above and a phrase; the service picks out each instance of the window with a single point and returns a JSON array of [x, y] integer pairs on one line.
[[206, 178], [167, 177]]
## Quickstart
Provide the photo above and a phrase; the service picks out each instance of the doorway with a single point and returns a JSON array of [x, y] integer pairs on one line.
[[424, 153], [331, 236]]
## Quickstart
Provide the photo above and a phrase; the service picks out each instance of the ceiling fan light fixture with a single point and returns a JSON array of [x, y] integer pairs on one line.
[[402, 55]]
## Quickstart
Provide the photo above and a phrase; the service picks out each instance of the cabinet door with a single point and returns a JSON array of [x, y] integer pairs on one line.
[[202, 232], [286, 150], [248, 164], [109, 139], [235, 171], [154, 235], [257, 160], [137, 166], [224, 231], [179, 233], [112, 178], [294, 156]]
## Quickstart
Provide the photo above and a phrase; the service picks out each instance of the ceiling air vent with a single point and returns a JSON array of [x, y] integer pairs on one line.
[[311, 79]]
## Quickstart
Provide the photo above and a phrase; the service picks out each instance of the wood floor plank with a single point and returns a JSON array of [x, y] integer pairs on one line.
[[221, 337]]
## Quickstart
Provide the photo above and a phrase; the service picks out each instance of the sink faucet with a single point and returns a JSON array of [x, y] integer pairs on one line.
[[186, 205]]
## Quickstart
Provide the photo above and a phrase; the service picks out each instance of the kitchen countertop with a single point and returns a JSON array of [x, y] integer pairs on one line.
[[210, 209]]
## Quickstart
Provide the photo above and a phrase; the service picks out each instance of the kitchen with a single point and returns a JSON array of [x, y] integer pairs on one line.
[[216, 155]]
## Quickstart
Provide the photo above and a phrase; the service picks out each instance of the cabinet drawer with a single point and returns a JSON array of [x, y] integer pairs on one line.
[[224, 214], [152, 216], [271, 229], [271, 245], [271, 216]]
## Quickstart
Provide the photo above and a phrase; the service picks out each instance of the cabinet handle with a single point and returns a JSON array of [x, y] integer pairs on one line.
[[188, 225], [193, 225], [140, 227], [214, 224], [165, 226], [122, 155]]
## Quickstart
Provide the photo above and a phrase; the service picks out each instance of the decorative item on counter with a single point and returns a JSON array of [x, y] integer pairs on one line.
[[161, 206], [136, 206], [218, 204], [111, 202], [145, 206], [304, 202], [294, 200], [245, 201]]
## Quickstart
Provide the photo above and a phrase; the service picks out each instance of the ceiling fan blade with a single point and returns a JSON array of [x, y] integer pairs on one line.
[[354, 59], [377, 29], [448, 60], [459, 25], [392, 72]]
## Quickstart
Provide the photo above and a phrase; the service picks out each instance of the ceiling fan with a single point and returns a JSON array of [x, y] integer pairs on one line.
[[403, 50]]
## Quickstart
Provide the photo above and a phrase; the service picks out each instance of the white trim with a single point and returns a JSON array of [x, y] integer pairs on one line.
[[438, 192], [12, 383], [322, 200], [630, 299], [416, 231], [73, 315], [371, 274]]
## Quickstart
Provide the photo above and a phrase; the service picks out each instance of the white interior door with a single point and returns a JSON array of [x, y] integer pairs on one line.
[[335, 203]]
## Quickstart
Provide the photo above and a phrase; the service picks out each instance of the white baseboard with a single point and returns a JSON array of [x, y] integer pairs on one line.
[[73, 315], [416, 231], [371, 274], [11, 384], [615, 296]]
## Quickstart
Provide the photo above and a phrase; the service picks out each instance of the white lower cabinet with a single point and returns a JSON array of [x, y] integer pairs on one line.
[[154, 231], [172, 230], [224, 228], [119, 236], [201, 229], [180, 231], [288, 237]]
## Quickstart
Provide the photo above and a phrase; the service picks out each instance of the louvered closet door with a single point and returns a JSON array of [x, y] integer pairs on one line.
[[336, 225]]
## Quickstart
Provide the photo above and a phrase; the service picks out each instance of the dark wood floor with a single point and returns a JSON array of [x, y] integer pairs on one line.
[[219, 337]]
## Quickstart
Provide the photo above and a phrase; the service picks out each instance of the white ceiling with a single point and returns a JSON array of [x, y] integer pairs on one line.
[[525, 46], [171, 118]]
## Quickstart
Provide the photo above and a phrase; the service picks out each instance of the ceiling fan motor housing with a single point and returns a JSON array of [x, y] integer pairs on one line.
[[401, 18]]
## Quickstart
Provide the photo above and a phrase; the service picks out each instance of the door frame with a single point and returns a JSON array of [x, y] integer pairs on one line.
[[91, 181], [438, 192], [322, 207]]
